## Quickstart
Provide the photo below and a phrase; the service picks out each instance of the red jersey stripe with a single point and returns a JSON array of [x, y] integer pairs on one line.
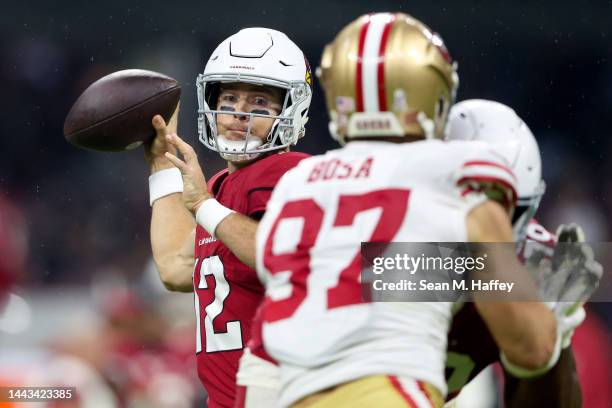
[[511, 201], [492, 164]]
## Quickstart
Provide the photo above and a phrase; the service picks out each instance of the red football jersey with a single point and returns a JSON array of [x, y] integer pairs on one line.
[[227, 292], [471, 347]]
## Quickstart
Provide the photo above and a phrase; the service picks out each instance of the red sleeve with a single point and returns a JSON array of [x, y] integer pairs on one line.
[[262, 182]]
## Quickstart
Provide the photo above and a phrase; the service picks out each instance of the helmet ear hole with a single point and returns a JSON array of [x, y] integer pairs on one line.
[[438, 109]]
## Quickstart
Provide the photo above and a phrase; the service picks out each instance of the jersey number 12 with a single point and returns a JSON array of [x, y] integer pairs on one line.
[[231, 339]]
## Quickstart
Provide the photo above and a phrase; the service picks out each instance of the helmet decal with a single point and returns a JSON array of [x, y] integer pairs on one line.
[[308, 77]]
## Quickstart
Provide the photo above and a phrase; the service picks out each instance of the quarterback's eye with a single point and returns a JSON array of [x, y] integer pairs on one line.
[[228, 98], [260, 101]]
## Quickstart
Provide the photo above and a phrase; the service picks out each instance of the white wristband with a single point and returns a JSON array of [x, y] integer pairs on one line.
[[521, 372], [210, 214], [164, 182]]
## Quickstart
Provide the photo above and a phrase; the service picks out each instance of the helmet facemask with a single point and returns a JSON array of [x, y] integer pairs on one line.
[[526, 208]]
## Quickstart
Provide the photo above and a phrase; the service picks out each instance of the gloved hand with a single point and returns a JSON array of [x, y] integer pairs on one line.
[[574, 254], [568, 279]]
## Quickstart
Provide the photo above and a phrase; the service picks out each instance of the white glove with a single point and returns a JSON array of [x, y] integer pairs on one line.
[[567, 280], [575, 263], [574, 254]]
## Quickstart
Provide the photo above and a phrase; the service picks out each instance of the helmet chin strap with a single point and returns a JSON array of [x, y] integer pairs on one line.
[[232, 150]]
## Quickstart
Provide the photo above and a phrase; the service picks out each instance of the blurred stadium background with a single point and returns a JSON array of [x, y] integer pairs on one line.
[[86, 295]]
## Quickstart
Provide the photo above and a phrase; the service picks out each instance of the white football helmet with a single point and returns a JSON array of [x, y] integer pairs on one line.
[[489, 121], [258, 56]]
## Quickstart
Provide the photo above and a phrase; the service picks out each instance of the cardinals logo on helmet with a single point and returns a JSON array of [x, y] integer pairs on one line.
[[308, 77]]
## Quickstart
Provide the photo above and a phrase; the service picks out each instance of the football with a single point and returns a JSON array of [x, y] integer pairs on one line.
[[114, 113]]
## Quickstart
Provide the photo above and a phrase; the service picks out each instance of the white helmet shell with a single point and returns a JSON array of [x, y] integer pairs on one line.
[[494, 122], [259, 56]]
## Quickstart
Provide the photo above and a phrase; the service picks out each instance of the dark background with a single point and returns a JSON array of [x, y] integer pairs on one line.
[[87, 211]]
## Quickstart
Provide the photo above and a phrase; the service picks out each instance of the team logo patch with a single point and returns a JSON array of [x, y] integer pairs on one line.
[[308, 77]]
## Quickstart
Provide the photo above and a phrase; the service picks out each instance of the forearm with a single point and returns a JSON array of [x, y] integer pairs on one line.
[[526, 332], [172, 242], [559, 387], [172, 225], [237, 232], [524, 329]]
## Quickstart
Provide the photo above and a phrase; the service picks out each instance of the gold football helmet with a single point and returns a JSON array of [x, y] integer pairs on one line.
[[387, 74]]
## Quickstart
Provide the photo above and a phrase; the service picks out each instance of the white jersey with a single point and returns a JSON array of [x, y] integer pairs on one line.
[[308, 255]]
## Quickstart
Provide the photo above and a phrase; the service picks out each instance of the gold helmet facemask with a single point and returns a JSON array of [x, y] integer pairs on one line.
[[387, 74]]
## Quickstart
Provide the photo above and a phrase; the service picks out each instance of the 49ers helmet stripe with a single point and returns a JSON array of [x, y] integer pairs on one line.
[[370, 84], [369, 63], [382, 95], [358, 74]]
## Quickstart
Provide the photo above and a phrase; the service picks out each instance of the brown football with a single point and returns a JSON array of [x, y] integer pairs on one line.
[[114, 114]]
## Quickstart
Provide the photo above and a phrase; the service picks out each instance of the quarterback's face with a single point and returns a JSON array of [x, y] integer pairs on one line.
[[247, 98]]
